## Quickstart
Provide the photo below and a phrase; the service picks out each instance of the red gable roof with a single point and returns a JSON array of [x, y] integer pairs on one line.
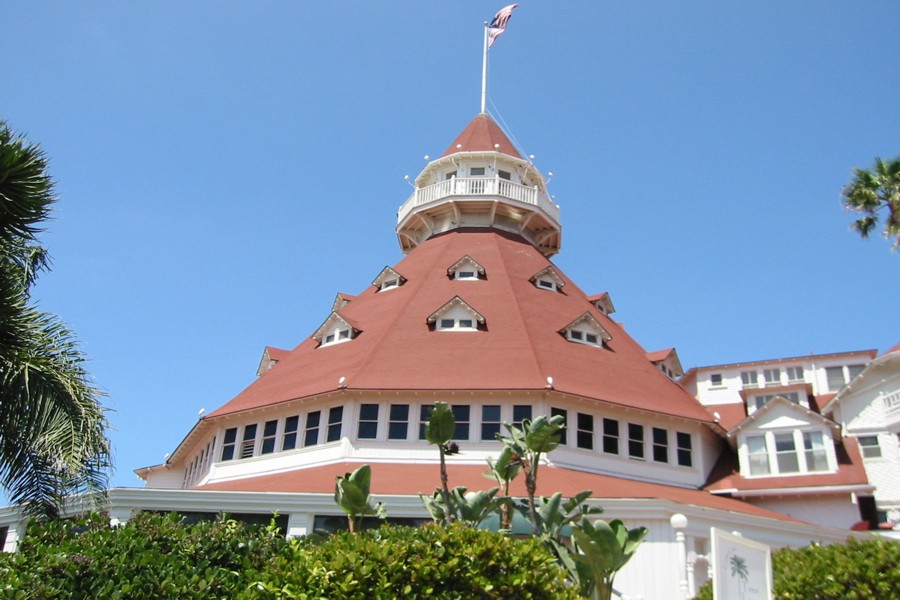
[[518, 348], [411, 479], [726, 475], [481, 135]]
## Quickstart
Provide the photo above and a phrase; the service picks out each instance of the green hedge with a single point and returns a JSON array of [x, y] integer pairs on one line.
[[153, 556], [857, 570], [156, 556]]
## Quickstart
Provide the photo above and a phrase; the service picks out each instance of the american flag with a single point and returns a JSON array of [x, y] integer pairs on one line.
[[498, 25]]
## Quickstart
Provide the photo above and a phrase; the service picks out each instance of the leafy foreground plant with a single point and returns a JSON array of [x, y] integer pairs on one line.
[[351, 493], [453, 562]]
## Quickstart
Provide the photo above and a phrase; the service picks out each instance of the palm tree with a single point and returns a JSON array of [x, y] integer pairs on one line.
[[52, 425], [872, 191]]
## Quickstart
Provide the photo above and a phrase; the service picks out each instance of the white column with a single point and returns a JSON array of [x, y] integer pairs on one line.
[[678, 523]]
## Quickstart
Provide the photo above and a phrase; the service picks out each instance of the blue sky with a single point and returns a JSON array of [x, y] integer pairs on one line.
[[225, 168]]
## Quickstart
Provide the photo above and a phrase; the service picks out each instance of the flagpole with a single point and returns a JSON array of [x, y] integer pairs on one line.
[[484, 65]]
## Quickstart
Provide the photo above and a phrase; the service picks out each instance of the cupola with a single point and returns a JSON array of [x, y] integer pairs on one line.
[[481, 181]]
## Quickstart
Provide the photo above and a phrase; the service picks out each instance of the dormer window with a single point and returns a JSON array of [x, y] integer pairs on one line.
[[787, 453], [603, 303], [466, 268], [585, 337], [335, 330], [456, 324], [388, 279], [456, 315], [586, 330], [548, 279]]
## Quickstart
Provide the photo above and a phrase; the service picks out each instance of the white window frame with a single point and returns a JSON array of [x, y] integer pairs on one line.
[[749, 379], [772, 377], [795, 374], [868, 450], [456, 324], [583, 336], [799, 438]]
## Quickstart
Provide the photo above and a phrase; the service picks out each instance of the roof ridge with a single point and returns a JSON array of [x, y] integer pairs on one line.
[[518, 308]]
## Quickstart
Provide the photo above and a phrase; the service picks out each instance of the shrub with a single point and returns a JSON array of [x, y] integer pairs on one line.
[[449, 563], [153, 556], [158, 557], [857, 570]]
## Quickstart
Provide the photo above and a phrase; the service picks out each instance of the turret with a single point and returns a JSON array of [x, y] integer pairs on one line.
[[481, 181]]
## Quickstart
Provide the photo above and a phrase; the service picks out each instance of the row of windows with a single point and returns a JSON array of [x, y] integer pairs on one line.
[[254, 440], [611, 438], [787, 453], [837, 377], [473, 423]]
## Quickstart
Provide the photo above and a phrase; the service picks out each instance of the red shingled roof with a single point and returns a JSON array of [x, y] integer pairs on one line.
[[481, 135], [411, 479], [726, 473], [518, 349]]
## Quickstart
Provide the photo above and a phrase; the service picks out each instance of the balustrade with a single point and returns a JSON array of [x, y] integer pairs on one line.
[[478, 186]]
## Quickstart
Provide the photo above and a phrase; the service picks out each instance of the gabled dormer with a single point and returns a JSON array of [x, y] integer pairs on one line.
[[586, 329], [603, 303], [785, 439], [456, 315], [269, 359], [388, 279], [340, 301], [667, 361], [335, 330], [548, 279], [466, 269]]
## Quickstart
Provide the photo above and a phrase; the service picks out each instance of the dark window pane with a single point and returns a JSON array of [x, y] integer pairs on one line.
[[367, 430], [368, 412], [368, 421], [399, 422], [635, 440], [520, 413], [490, 413], [424, 414], [585, 433], [289, 441], [562, 432], [610, 436], [335, 416], [461, 414], [311, 438], [228, 446], [489, 431]]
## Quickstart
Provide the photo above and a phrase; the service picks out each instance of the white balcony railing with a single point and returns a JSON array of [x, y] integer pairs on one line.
[[478, 187], [892, 403]]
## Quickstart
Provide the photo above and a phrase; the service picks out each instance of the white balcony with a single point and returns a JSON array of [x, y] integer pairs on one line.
[[461, 188]]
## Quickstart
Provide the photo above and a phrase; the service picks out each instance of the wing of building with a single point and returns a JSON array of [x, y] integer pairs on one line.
[[477, 315]]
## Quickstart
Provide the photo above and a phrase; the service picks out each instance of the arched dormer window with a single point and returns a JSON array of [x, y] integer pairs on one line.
[[466, 268], [335, 330], [586, 329], [456, 315], [548, 279], [388, 279]]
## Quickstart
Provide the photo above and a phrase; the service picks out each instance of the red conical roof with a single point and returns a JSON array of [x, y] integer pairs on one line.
[[520, 346], [482, 134]]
